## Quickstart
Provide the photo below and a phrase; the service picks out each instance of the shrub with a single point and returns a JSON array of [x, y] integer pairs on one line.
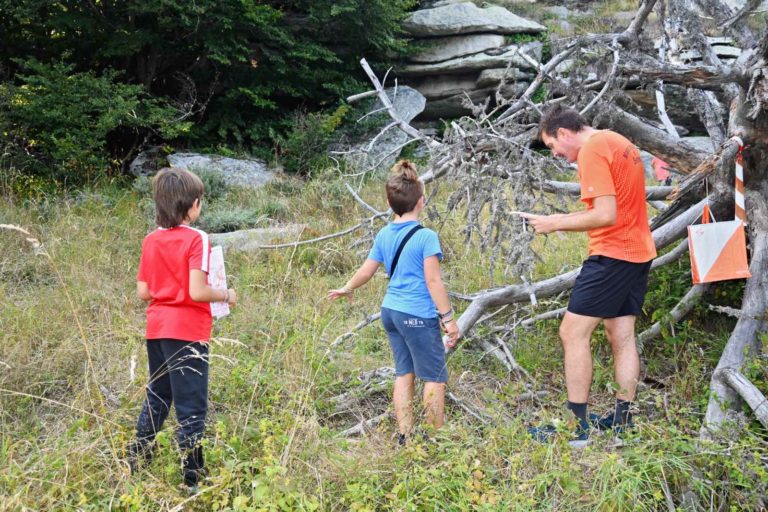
[[57, 121], [305, 147]]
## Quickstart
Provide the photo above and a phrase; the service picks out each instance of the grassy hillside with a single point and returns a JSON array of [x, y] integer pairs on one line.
[[73, 367]]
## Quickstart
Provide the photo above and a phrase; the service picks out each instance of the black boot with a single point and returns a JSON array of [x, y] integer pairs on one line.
[[193, 466], [139, 454]]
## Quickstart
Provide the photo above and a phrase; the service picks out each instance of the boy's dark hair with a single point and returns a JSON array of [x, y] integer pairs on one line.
[[404, 187], [561, 117], [175, 191]]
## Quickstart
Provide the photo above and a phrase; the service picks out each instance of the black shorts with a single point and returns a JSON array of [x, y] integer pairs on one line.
[[609, 288]]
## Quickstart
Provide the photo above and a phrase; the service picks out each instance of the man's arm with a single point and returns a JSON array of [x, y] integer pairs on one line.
[[603, 213]]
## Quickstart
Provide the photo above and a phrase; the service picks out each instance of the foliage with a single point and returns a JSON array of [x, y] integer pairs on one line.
[[305, 146], [62, 119], [272, 441], [234, 69]]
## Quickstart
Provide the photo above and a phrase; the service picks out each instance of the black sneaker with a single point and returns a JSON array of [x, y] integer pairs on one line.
[[607, 422], [138, 455], [546, 433], [401, 440]]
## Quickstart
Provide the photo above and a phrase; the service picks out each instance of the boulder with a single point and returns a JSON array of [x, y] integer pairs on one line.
[[467, 18], [249, 173], [492, 77], [453, 106], [443, 48], [408, 102], [479, 61], [148, 162], [249, 240], [446, 85]]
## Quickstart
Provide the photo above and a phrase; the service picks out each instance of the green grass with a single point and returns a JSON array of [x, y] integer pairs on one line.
[[71, 328]]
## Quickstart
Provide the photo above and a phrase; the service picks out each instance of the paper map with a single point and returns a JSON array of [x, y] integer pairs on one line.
[[217, 279]]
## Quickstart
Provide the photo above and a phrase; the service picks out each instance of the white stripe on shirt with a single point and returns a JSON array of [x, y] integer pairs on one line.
[[206, 251]]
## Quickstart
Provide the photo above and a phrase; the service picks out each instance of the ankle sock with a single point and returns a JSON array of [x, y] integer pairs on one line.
[[580, 411]]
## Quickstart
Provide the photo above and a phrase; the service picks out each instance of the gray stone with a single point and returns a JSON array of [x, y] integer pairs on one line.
[[453, 106], [148, 162], [250, 173], [408, 102], [446, 85], [492, 77], [443, 48], [467, 18], [249, 240], [558, 11], [479, 61]]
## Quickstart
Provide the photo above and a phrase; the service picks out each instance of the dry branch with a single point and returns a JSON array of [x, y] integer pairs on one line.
[[747, 391], [689, 300]]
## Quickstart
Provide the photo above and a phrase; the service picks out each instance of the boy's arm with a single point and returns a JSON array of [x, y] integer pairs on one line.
[[142, 291], [199, 291], [440, 298], [362, 276]]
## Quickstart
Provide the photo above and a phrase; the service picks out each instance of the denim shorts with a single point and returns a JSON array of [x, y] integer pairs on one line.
[[609, 288], [417, 345]]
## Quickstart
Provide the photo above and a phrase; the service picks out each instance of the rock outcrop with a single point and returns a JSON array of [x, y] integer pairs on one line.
[[464, 52]]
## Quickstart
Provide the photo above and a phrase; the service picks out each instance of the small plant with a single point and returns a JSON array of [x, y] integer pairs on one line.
[[223, 220], [304, 148]]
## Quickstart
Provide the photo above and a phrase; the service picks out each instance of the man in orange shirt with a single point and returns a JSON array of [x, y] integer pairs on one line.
[[613, 280]]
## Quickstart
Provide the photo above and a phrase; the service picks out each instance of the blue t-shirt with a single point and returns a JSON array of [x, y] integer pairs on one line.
[[407, 291]]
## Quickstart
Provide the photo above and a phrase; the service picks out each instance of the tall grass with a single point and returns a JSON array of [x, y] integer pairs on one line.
[[73, 369]]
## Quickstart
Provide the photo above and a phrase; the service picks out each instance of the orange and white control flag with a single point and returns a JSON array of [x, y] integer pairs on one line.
[[719, 249]]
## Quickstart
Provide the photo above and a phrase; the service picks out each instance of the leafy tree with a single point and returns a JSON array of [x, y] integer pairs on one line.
[[235, 67]]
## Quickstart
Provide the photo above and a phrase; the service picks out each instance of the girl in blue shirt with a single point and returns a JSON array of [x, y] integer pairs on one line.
[[416, 305]]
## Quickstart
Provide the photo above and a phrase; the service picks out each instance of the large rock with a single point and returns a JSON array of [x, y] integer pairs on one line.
[[148, 162], [408, 103], [250, 173], [491, 77], [488, 59], [444, 48], [447, 85], [249, 240], [453, 106], [467, 18]]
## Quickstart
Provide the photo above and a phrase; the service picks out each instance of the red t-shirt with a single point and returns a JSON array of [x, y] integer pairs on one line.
[[167, 256], [610, 165]]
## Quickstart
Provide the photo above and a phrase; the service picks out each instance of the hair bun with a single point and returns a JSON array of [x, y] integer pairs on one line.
[[405, 170]]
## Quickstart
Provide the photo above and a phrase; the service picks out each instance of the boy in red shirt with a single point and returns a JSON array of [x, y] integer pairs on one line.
[[172, 278]]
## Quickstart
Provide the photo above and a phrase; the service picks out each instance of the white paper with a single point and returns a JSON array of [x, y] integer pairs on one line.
[[217, 279]]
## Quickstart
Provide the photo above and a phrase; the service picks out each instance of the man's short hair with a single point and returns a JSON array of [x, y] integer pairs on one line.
[[175, 191], [561, 117], [404, 189]]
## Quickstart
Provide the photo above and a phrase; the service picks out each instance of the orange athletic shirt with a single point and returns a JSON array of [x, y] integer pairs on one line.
[[610, 165]]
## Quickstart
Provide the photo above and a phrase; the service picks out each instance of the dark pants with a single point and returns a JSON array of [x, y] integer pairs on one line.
[[178, 374]]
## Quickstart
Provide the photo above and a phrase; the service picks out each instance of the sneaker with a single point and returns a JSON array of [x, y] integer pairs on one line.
[[546, 433], [401, 440], [138, 455], [606, 422]]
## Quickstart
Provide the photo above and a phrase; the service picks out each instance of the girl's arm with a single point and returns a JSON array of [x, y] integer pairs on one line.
[[362, 276], [142, 290], [199, 291], [440, 297]]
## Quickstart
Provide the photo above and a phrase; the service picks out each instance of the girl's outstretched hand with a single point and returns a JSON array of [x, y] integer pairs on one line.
[[451, 329], [337, 294]]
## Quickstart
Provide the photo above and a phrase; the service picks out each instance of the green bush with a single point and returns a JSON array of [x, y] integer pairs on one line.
[[235, 69], [57, 121], [305, 146], [223, 220]]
